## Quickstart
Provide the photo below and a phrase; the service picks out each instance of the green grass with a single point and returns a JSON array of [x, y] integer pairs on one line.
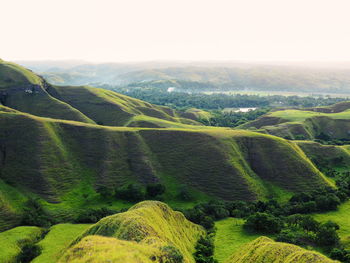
[[265, 250], [151, 224], [230, 237], [341, 217], [299, 116], [58, 240], [12, 241], [214, 162]]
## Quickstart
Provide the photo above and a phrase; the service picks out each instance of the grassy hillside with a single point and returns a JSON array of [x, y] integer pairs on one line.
[[333, 121], [152, 225], [22, 90], [25, 91], [265, 250], [341, 217], [57, 240], [230, 237], [13, 240], [95, 103], [224, 163]]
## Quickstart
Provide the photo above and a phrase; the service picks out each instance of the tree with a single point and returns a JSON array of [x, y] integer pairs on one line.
[[263, 223]]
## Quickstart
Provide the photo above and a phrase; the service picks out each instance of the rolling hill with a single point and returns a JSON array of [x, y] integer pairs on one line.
[[45, 157], [332, 121], [22, 90], [66, 161], [148, 232], [265, 250]]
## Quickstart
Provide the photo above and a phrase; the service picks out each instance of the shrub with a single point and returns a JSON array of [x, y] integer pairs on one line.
[[132, 192], [153, 190], [35, 215], [204, 250], [94, 215], [171, 255]]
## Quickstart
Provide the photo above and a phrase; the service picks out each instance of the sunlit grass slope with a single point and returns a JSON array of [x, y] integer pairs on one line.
[[57, 240], [265, 250], [341, 217], [230, 237], [12, 241], [110, 108], [151, 224]]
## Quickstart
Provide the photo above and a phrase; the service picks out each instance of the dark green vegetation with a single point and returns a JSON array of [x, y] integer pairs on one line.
[[216, 101]]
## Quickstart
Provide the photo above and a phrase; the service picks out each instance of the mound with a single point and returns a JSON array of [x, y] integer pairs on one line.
[[265, 250], [152, 225]]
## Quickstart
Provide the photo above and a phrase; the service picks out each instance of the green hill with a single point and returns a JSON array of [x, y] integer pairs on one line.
[[95, 103], [45, 157], [265, 250], [147, 232], [332, 121], [22, 90], [25, 91]]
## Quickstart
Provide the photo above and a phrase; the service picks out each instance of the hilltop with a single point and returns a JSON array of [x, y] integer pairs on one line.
[[265, 250], [148, 232]]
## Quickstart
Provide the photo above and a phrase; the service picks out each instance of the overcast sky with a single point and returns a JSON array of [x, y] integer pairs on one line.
[[139, 30]]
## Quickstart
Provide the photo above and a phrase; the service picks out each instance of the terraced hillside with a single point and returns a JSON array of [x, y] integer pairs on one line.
[[333, 122], [265, 250], [148, 232]]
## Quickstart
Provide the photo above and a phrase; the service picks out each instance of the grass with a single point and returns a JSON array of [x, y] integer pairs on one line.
[[214, 162], [230, 237], [341, 217], [122, 110], [265, 250], [107, 249], [299, 116], [12, 241], [151, 224], [58, 240]]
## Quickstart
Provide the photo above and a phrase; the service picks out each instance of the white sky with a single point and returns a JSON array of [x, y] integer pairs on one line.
[[138, 30]]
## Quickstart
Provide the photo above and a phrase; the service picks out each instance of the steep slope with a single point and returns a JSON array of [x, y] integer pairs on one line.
[[22, 90], [52, 158], [265, 250], [122, 110], [149, 230]]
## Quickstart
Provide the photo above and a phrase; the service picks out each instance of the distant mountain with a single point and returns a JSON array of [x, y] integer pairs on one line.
[[323, 78]]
